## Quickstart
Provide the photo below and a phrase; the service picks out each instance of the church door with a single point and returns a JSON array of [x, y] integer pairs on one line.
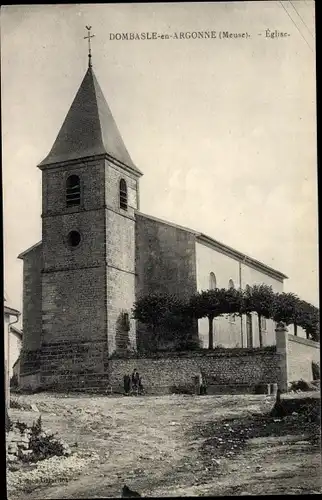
[[249, 330]]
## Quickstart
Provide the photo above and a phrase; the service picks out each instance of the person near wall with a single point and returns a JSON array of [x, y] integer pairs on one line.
[[140, 386], [203, 386], [135, 380], [127, 384]]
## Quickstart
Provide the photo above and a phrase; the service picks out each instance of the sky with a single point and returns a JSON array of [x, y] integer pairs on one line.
[[224, 129]]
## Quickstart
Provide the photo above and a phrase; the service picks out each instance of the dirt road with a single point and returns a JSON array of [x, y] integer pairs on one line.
[[178, 446]]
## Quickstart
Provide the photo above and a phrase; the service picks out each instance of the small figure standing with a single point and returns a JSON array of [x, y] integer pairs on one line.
[[127, 384], [203, 386], [135, 380], [140, 388]]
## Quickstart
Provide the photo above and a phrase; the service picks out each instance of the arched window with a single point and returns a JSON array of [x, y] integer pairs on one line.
[[212, 281], [73, 191], [123, 195], [231, 284]]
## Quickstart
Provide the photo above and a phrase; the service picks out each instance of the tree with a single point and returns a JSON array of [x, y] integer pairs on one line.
[[259, 299], [286, 308], [158, 310], [212, 303], [309, 320], [151, 310]]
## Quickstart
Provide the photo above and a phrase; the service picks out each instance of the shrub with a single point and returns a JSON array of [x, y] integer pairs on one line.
[[15, 403], [36, 427], [45, 446], [21, 426], [316, 370], [302, 385]]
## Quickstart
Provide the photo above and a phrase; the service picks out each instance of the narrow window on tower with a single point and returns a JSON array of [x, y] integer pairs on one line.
[[123, 195], [73, 191]]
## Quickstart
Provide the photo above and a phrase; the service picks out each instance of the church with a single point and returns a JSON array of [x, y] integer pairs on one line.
[[99, 253]]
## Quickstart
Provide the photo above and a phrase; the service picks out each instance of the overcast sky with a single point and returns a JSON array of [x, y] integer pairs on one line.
[[224, 130]]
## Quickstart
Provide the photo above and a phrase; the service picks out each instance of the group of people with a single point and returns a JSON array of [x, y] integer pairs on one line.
[[133, 383]]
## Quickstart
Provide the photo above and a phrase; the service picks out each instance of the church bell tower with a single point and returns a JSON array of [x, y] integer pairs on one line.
[[89, 197]]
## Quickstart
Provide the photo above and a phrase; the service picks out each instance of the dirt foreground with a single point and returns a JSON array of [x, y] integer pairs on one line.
[[172, 446]]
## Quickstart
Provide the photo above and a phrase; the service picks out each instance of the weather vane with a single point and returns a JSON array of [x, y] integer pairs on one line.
[[88, 37]]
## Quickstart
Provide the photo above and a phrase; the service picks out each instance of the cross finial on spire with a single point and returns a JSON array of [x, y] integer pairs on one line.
[[88, 37]]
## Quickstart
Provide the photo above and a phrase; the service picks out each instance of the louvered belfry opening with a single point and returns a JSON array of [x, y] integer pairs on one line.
[[73, 191], [123, 195]]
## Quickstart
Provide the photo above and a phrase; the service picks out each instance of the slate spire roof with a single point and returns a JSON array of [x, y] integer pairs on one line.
[[89, 129]]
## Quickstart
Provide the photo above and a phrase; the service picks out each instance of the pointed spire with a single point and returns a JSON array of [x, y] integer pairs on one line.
[[88, 37], [89, 129]]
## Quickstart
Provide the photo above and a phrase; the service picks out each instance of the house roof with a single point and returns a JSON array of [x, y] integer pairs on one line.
[[25, 252], [11, 312], [89, 129], [16, 331], [16, 362], [221, 247]]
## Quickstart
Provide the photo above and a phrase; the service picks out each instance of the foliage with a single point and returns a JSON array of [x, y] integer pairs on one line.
[[36, 427], [14, 403], [291, 309], [316, 370], [45, 446], [213, 303], [259, 299], [176, 315], [22, 426], [42, 444], [167, 314], [309, 320], [302, 385], [152, 309], [19, 405], [286, 308]]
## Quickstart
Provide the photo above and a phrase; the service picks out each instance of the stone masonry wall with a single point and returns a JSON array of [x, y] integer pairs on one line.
[[92, 187], [32, 324], [32, 265], [91, 251], [74, 306], [121, 286], [165, 263], [165, 258], [120, 259], [74, 365], [300, 354], [229, 367]]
